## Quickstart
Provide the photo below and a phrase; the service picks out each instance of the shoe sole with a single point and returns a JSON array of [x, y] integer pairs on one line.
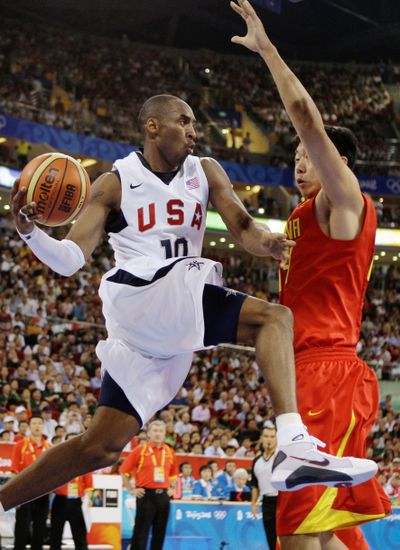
[[309, 477]]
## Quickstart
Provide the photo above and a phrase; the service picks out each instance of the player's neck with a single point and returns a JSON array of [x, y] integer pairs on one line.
[[37, 439], [268, 454], [156, 161], [158, 445]]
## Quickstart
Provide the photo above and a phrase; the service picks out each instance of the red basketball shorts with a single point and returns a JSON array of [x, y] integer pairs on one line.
[[338, 398]]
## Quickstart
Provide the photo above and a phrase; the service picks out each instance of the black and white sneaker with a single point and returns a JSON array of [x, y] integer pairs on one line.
[[301, 464]]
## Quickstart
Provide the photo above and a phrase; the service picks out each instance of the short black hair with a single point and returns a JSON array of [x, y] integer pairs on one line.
[[344, 140], [35, 416], [155, 106], [182, 464]]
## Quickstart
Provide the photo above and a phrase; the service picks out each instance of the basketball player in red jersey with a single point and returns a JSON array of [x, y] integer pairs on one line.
[[324, 283]]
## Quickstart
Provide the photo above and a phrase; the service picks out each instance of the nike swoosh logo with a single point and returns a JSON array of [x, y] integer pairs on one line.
[[323, 462], [312, 413], [135, 186]]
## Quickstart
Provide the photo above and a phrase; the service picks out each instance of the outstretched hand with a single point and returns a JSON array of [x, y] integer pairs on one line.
[[279, 246], [256, 38]]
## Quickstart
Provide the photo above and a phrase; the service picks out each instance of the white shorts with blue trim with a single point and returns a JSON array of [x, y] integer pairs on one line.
[[155, 322]]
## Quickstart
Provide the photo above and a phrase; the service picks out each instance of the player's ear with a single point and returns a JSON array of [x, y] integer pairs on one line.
[[345, 160], [152, 127]]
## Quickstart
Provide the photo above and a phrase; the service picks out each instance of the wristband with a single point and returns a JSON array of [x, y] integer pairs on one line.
[[64, 257]]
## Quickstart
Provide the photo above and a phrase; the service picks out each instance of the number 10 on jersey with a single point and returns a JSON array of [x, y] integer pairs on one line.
[[177, 249]]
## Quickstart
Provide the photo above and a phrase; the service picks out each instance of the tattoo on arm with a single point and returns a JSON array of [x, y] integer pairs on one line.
[[245, 221]]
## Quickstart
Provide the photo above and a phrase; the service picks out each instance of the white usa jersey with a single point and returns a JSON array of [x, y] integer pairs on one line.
[[161, 221]]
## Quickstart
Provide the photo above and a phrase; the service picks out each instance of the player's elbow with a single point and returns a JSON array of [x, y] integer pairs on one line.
[[67, 272]]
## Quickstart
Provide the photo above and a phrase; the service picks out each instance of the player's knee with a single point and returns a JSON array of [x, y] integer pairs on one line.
[[284, 316], [99, 453], [278, 315], [293, 542]]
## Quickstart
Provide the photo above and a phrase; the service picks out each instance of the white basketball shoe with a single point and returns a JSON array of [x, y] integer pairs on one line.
[[300, 464]]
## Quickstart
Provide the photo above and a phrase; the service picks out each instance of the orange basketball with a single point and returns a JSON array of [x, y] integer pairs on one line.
[[59, 185]]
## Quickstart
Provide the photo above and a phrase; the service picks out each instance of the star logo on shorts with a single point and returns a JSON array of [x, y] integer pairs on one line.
[[230, 292], [195, 264]]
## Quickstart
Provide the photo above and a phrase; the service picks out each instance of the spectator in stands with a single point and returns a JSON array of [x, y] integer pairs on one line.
[[11, 426], [245, 446], [184, 445], [183, 425], [67, 506], [95, 381], [5, 319], [49, 424], [251, 431], [60, 431], [5, 436], [205, 487], [392, 488], [220, 403], [170, 435], [201, 413], [35, 512], [238, 488], [215, 449], [73, 422], [23, 430], [197, 449], [185, 481], [225, 478], [154, 469], [214, 469], [21, 414]]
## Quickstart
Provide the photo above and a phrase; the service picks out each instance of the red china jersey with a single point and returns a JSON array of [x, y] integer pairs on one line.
[[325, 280]]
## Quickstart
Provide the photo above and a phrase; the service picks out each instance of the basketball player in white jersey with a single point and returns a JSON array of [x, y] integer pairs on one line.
[[162, 301]]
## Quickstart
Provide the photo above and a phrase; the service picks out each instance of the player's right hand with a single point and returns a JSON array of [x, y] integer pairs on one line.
[[254, 509], [24, 214]]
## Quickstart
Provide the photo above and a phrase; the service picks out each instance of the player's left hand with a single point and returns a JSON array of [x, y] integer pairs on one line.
[[279, 247], [256, 38]]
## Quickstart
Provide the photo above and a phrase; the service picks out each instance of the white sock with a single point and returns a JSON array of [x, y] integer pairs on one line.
[[290, 429], [288, 419]]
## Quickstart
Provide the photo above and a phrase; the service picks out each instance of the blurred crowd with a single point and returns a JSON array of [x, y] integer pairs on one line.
[[88, 86], [347, 95], [96, 87], [49, 327]]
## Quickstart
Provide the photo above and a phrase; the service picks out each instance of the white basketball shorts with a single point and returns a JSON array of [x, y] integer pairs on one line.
[[154, 324]]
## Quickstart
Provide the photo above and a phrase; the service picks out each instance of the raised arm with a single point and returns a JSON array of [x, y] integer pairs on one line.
[[67, 256], [255, 237], [338, 182]]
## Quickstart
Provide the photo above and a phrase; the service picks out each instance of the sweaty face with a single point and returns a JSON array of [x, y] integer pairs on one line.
[[305, 174], [176, 135]]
